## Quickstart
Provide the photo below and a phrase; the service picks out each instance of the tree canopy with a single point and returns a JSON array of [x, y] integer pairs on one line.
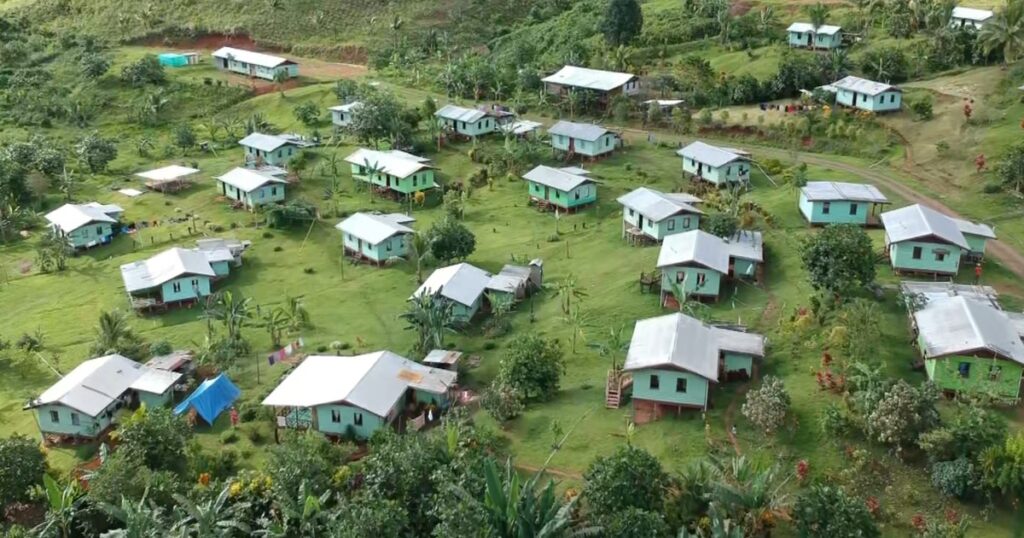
[[623, 21], [839, 258]]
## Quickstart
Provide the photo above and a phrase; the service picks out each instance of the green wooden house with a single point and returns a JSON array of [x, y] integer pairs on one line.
[[718, 166], [583, 139], [273, 150], [867, 95], [85, 225], [567, 188], [656, 215], [464, 285], [254, 64], [252, 188], [353, 397], [177, 275], [675, 360], [471, 122], [805, 35], [977, 236], [698, 263], [832, 202], [83, 403], [919, 239], [392, 171], [376, 237]]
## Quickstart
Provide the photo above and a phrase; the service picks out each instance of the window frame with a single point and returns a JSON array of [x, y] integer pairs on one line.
[[917, 253], [681, 384], [654, 382], [54, 416]]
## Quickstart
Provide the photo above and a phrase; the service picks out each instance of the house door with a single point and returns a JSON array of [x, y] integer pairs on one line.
[[700, 169], [224, 63], [572, 145], [640, 222], [545, 192], [359, 243], [854, 99]]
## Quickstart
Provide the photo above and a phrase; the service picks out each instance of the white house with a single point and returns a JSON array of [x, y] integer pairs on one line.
[[606, 84], [341, 115], [85, 225], [254, 64], [966, 17]]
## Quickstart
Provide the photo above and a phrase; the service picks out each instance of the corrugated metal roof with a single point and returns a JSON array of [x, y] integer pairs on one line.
[[708, 154], [938, 291], [442, 356], [348, 107], [974, 228], [94, 384], [695, 246], [593, 79], [248, 180], [70, 217], [958, 326], [679, 341], [972, 14], [460, 113], [746, 244], [250, 57], [917, 221], [375, 227], [657, 205], [168, 265], [521, 127], [821, 191], [863, 85], [739, 341], [580, 131], [802, 27], [462, 283], [155, 381], [556, 178], [172, 361], [168, 173], [396, 163], [264, 142]]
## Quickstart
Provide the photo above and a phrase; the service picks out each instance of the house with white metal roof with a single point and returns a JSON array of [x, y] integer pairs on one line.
[[177, 275], [376, 237], [341, 115], [716, 165], [273, 150], [584, 139], [673, 361], [517, 281], [977, 235], [85, 225], [605, 84], [472, 122], [392, 171], [969, 17], [833, 202], [251, 188], [168, 178], [254, 64], [697, 262], [919, 239], [462, 284], [353, 397], [826, 36], [867, 94], [567, 188], [657, 215], [82, 404]]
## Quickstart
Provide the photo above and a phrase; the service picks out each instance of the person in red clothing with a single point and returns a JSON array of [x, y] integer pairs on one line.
[[234, 417], [977, 273]]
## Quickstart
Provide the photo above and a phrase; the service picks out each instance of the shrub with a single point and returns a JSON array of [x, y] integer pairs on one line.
[[22, 465], [629, 478], [502, 402], [490, 344], [829, 511], [255, 435], [161, 347], [268, 235], [766, 406], [309, 270], [278, 248], [922, 107], [228, 437], [532, 366], [839, 258], [954, 478]]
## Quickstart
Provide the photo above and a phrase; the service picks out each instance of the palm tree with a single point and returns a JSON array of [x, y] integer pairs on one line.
[[214, 517], [234, 313], [1005, 32], [67, 183], [62, 508], [725, 19], [143, 145], [419, 247], [612, 346], [766, 19], [112, 330], [578, 322], [818, 13], [838, 62], [569, 289], [516, 509], [750, 493], [432, 316]]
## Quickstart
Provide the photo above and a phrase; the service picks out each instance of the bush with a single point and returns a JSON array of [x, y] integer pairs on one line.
[[629, 478], [229, 437], [255, 435], [839, 258], [766, 406], [268, 235], [22, 465], [278, 248], [146, 70], [161, 347], [502, 402], [490, 344], [922, 107], [954, 478], [721, 224], [532, 366], [829, 511]]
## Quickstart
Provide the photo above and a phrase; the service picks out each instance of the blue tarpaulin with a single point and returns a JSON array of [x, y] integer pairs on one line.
[[211, 398]]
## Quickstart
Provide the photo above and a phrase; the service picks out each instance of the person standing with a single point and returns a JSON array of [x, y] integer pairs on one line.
[[977, 273], [234, 417]]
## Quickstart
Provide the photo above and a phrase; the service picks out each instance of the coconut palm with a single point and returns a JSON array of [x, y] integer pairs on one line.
[[1005, 32], [111, 331], [213, 517], [234, 313], [578, 322], [419, 247], [432, 316]]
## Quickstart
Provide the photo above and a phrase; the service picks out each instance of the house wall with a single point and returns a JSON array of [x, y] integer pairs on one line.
[[94, 232], [341, 119], [185, 291], [580, 196], [821, 41], [278, 157], [155, 400], [696, 387], [439, 400], [255, 70], [669, 226], [483, 126], [396, 245], [420, 181], [743, 268], [945, 373], [267, 194], [734, 172], [976, 242], [957, 23], [87, 426], [463, 313], [710, 288], [839, 211], [735, 362], [901, 255], [221, 268], [605, 144], [347, 417], [883, 102]]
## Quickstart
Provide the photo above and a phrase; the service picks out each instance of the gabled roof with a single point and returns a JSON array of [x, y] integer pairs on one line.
[[580, 131], [708, 154], [168, 265], [348, 107], [462, 283], [265, 142], [829, 191], [373, 381], [96, 383], [974, 228], [918, 221], [803, 27], [460, 113], [657, 205], [962, 326], [928, 292], [510, 279], [747, 245], [557, 178], [972, 14], [395, 163], [247, 179], [173, 172], [695, 246], [250, 57], [593, 79], [863, 85], [375, 227], [679, 341], [70, 217], [520, 127]]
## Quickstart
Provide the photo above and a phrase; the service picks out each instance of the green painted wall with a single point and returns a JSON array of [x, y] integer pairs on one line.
[[669, 226], [420, 181], [901, 256], [834, 212], [221, 268], [742, 268], [267, 194], [396, 245], [346, 416], [735, 362], [1002, 377], [976, 242], [607, 143], [710, 288], [185, 288], [696, 387], [581, 195], [153, 401], [884, 102], [87, 426], [278, 157], [734, 172], [96, 232], [821, 41], [483, 126]]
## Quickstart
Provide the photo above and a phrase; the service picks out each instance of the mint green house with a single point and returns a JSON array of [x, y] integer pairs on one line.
[[698, 263], [353, 397], [588, 140], [268, 150], [718, 166], [251, 188], [831, 202], [919, 239], [462, 284], [85, 225], [567, 188], [392, 171], [376, 237], [970, 345], [657, 215], [977, 236], [674, 360], [805, 35], [468, 122], [177, 275], [254, 64], [342, 115], [83, 403], [867, 95]]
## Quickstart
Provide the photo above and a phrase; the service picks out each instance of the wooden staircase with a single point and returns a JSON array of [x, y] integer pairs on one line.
[[615, 385]]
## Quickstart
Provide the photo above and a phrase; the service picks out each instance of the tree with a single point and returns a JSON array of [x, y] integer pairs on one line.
[[612, 346], [52, 253], [432, 316], [502, 402], [903, 413], [450, 240], [114, 335], [633, 523], [629, 478], [145, 70], [419, 245], [723, 225], [400, 468], [295, 314], [63, 508], [818, 14], [828, 511], [623, 21], [304, 459], [1010, 169], [94, 65], [22, 466], [516, 508], [454, 207], [380, 119], [1002, 467], [184, 137], [766, 406], [1004, 32], [839, 258], [307, 113], [95, 152], [157, 436], [569, 290], [281, 77], [532, 366], [138, 519], [750, 494]]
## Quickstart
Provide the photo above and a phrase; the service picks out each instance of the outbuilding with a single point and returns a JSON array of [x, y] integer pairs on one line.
[[342, 115], [171, 178], [969, 17], [462, 284]]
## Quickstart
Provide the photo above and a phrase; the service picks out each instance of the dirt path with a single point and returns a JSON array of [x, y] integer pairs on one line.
[[561, 474]]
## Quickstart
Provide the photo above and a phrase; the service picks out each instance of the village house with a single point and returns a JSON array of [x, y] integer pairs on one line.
[[605, 85], [516, 282], [471, 122], [802, 34], [252, 188], [171, 178], [395, 171], [969, 17], [698, 262], [254, 64], [568, 188], [83, 403], [919, 239], [85, 225], [376, 237], [656, 215], [719, 166], [341, 115], [353, 397], [584, 139], [178, 275], [273, 150], [977, 236], [673, 361], [867, 95], [462, 284], [833, 202]]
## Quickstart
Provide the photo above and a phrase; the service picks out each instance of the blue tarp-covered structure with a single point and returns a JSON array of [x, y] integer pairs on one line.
[[171, 59], [211, 398]]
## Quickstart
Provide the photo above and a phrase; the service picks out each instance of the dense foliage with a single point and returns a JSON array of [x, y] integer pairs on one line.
[[839, 259]]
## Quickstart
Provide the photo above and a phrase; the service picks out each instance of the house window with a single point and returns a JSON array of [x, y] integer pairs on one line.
[[54, 417], [655, 383], [701, 278], [335, 416], [940, 255], [577, 195], [680, 276], [388, 246], [414, 181], [289, 152], [357, 419], [853, 209], [964, 369], [916, 254], [99, 230], [273, 191], [608, 141], [892, 98], [195, 283], [176, 287], [994, 372], [671, 224], [681, 384], [826, 207], [74, 419], [686, 223]]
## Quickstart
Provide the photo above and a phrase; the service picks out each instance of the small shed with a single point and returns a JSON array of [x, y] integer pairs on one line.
[[179, 360], [178, 59], [462, 284], [443, 358], [518, 281], [341, 115], [171, 178], [210, 399], [969, 17]]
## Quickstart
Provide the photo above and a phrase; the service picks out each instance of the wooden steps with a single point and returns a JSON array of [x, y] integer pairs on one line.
[[615, 385]]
